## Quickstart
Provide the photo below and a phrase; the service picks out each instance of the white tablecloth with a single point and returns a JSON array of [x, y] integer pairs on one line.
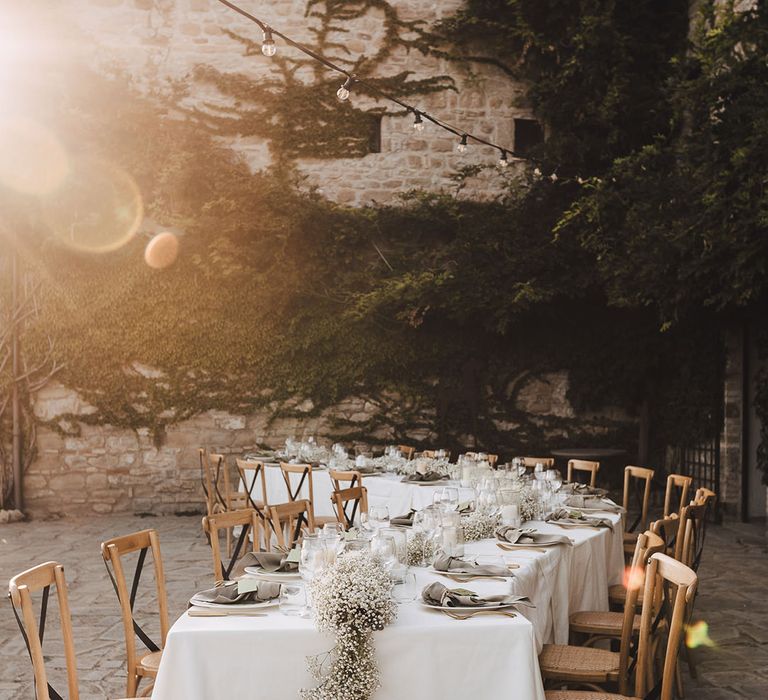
[[424, 654], [383, 489]]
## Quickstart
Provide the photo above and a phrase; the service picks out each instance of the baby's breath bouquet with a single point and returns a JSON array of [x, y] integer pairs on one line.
[[529, 504], [479, 526], [351, 600]]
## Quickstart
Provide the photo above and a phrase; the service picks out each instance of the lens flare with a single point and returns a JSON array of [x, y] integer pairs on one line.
[[32, 160], [162, 251], [97, 209], [633, 578], [697, 635]]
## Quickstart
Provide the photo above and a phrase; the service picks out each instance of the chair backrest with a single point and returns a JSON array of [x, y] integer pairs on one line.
[[407, 451], [667, 528], [349, 504], [531, 462], [216, 482], [493, 460], [638, 474], [705, 496], [676, 481], [345, 479], [295, 486], [676, 584], [253, 474], [113, 551], [691, 534], [20, 590], [429, 454], [583, 465], [248, 521], [647, 543], [290, 520]]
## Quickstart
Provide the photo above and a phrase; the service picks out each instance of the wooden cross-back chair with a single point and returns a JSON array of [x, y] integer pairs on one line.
[[345, 479], [349, 504], [676, 481], [595, 626], [691, 533], [250, 525], [305, 477], [583, 465], [220, 496], [253, 474], [21, 588], [290, 521], [407, 451], [531, 462], [642, 498], [675, 585], [139, 665]]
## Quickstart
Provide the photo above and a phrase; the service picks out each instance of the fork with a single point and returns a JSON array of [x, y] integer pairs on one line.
[[466, 616]]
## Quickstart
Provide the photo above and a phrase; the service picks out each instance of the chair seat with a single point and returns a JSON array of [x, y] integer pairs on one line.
[[584, 695], [148, 665], [578, 664], [618, 594], [603, 623]]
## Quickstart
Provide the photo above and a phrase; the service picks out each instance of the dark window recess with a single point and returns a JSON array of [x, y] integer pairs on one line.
[[374, 133], [528, 135]]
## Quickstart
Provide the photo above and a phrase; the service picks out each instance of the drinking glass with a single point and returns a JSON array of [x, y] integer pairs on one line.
[[292, 599], [312, 559], [400, 539], [452, 541], [538, 471], [386, 549], [450, 498], [405, 590]]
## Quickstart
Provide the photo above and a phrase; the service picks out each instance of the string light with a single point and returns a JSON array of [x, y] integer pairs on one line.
[[268, 46], [343, 92]]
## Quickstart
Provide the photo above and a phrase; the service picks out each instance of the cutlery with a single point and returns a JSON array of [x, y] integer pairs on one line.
[[459, 578], [466, 616], [224, 613], [513, 548]]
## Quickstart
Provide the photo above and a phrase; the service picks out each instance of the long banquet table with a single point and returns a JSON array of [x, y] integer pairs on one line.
[[423, 654]]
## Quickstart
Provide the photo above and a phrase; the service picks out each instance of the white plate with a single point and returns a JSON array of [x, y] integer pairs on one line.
[[233, 606], [469, 608], [426, 483], [258, 572], [530, 544], [432, 570]]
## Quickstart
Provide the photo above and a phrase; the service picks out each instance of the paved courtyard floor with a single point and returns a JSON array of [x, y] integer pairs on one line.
[[733, 600]]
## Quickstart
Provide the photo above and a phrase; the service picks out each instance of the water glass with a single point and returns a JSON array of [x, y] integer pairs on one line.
[[453, 541], [293, 601], [405, 590], [386, 549], [538, 471]]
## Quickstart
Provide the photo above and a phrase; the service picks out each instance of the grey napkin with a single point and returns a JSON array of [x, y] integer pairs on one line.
[[570, 517], [429, 476], [438, 594], [403, 520], [228, 595], [271, 562], [584, 490], [514, 535], [455, 565], [593, 502]]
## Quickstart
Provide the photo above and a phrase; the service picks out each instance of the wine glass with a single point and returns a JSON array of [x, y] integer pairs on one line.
[[376, 518], [538, 471], [450, 498]]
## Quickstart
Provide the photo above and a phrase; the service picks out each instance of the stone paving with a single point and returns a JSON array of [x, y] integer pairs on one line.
[[732, 601]]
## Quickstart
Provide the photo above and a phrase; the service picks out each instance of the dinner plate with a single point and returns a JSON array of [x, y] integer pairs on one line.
[[233, 606], [426, 483], [469, 608], [530, 544], [460, 575], [258, 572]]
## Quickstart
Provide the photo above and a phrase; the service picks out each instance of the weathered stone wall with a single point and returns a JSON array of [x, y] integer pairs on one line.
[[168, 38], [109, 470]]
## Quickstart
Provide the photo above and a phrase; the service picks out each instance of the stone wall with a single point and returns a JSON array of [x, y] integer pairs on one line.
[[105, 469], [168, 38]]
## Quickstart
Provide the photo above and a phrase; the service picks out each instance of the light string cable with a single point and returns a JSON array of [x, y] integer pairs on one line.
[[268, 48]]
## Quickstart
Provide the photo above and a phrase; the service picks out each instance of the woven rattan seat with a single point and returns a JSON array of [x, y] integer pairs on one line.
[[578, 664], [618, 594], [583, 695], [604, 624]]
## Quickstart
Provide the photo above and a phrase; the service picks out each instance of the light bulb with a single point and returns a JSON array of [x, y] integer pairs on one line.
[[268, 46], [343, 92], [503, 162], [418, 124], [462, 147]]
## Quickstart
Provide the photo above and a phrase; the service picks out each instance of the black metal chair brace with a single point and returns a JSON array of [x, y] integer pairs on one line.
[[350, 519], [227, 570], [294, 495], [140, 633], [40, 633], [249, 493]]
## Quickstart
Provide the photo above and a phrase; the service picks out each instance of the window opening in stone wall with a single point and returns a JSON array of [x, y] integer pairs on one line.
[[374, 134], [528, 135]]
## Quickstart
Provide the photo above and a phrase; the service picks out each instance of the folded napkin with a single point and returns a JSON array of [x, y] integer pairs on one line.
[[594, 503], [366, 469], [228, 595], [514, 535], [428, 476], [403, 520], [584, 490], [272, 562], [571, 517], [438, 594], [455, 565]]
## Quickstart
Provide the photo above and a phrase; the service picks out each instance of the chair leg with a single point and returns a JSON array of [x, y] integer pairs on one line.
[[132, 686], [690, 657], [679, 682]]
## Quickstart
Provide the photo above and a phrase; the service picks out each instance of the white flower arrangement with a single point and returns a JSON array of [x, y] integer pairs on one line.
[[422, 465], [351, 600], [479, 526], [421, 548], [529, 504]]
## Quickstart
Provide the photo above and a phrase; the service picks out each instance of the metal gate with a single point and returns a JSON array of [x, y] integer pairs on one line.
[[702, 462]]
